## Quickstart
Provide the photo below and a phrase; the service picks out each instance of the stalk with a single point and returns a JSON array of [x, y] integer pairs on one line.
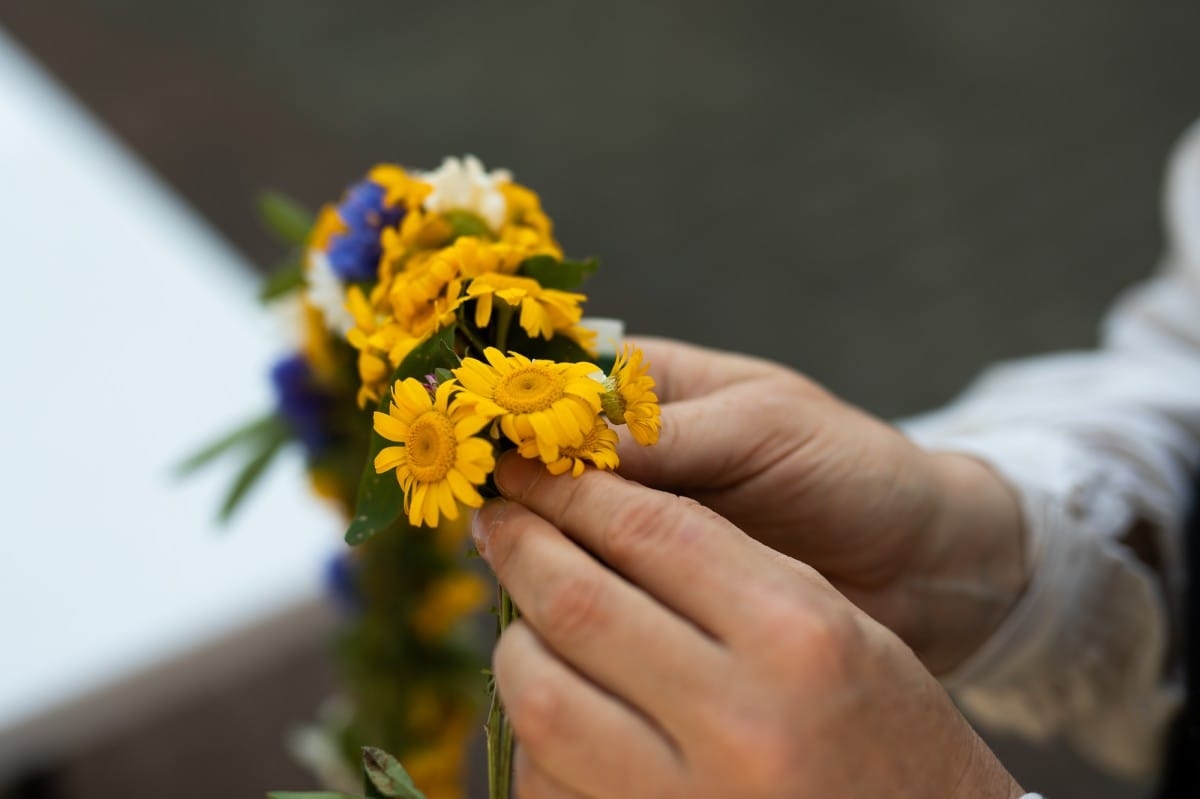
[[499, 731]]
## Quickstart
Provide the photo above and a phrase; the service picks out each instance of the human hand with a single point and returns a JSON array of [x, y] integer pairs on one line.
[[700, 663], [929, 544]]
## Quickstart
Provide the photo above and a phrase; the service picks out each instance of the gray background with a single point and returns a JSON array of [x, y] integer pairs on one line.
[[884, 195]]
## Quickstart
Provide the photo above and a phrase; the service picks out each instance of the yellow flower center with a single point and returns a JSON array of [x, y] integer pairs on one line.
[[530, 389], [431, 447], [612, 402]]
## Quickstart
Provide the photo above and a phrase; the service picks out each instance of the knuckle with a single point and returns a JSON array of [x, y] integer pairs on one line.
[[506, 654], [636, 529], [763, 753], [572, 607], [628, 535], [535, 712], [818, 640]]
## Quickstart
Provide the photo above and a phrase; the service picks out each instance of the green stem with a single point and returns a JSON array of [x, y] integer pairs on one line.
[[471, 338], [499, 731]]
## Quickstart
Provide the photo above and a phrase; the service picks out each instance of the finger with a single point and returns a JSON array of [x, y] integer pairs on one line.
[[698, 446], [532, 782], [604, 627], [746, 413], [683, 371], [583, 738], [678, 551]]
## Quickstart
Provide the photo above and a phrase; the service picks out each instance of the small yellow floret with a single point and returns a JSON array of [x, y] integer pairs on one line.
[[629, 397]]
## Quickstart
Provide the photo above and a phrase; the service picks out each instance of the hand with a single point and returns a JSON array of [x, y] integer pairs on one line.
[[701, 663], [929, 544]]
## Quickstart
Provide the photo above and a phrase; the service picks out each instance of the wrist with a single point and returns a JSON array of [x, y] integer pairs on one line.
[[972, 566]]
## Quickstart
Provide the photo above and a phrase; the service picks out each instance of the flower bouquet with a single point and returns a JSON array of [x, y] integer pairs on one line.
[[440, 326]]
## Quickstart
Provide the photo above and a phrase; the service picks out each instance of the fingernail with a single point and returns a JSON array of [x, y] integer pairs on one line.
[[516, 475], [484, 522]]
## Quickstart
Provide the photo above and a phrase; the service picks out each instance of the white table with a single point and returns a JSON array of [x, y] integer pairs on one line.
[[129, 335]]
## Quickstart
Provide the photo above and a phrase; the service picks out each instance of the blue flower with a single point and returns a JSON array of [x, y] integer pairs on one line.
[[354, 253], [302, 404], [341, 581]]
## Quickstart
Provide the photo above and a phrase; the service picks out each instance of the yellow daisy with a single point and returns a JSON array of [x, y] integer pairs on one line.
[[400, 188], [424, 300], [473, 256], [554, 405], [526, 225], [381, 343], [418, 231], [629, 397], [440, 461], [599, 448], [318, 345], [543, 311]]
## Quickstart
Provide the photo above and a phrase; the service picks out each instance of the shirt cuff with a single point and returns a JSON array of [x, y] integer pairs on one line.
[[1082, 652]]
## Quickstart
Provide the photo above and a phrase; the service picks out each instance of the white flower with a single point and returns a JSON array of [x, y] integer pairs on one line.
[[465, 186], [327, 292]]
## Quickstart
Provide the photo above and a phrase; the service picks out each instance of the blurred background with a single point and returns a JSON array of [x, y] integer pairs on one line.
[[884, 195]]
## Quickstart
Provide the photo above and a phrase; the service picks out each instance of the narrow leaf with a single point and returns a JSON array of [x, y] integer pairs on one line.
[[247, 433], [555, 274], [289, 221], [380, 500], [385, 777], [254, 469], [287, 278]]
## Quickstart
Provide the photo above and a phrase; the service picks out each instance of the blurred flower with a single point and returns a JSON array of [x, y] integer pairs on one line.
[[302, 403], [543, 311], [381, 342], [438, 768], [552, 404], [441, 461], [528, 227], [446, 601], [425, 299], [364, 210], [341, 580], [326, 291], [464, 185]]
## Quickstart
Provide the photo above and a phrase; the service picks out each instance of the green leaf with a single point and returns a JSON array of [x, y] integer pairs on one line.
[[385, 778], [312, 795], [555, 274], [380, 500], [248, 433], [254, 469], [465, 223], [287, 278], [289, 221]]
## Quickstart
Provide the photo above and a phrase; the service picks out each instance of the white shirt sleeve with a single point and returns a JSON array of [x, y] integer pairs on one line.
[[1097, 444]]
